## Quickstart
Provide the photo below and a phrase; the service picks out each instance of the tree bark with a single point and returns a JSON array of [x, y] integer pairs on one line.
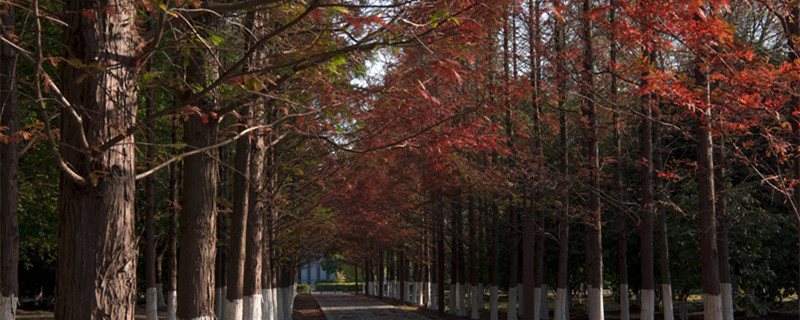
[[236, 245], [175, 170], [712, 303], [622, 239], [97, 248], [151, 297], [721, 213], [198, 221], [494, 269], [646, 224], [562, 306], [792, 29], [595, 242], [440, 260], [661, 229], [473, 263], [9, 196]]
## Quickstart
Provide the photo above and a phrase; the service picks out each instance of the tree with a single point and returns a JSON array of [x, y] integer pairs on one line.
[[9, 162], [97, 187]]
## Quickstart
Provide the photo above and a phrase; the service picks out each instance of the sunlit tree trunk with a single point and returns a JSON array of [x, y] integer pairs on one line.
[[440, 259], [96, 213]]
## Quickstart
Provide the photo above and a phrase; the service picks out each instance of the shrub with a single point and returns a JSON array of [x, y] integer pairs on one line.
[[303, 288]]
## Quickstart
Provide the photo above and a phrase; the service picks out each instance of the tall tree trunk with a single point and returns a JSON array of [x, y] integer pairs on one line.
[[712, 302], [646, 225], [440, 259], [595, 242], [721, 212], [198, 221], [9, 197], [622, 239], [477, 298], [254, 246], [494, 269], [236, 245], [402, 273], [96, 214], [380, 274], [151, 297], [661, 229], [562, 306], [175, 171]]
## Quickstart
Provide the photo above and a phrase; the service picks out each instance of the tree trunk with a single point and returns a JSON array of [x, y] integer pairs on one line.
[[661, 228], [622, 239], [236, 245], [380, 275], [9, 197], [562, 306], [96, 218], [175, 171], [712, 302], [494, 269], [595, 242], [254, 246], [721, 213], [473, 263], [647, 295], [440, 261], [151, 295], [198, 221]]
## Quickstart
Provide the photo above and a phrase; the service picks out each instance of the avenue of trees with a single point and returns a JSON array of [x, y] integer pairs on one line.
[[194, 154]]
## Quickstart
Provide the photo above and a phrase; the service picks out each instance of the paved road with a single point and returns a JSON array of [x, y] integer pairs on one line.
[[350, 307]]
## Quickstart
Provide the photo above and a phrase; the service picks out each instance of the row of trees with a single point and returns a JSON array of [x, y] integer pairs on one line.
[[229, 116], [390, 132], [676, 118]]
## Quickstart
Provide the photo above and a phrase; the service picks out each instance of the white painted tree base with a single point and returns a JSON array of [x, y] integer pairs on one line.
[[234, 309], [666, 292], [407, 298], [151, 304], [684, 311], [493, 302], [8, 306], [475, 304], [512, 303], [428, 296], [172, 305], [712, 307], [596, 307], [561, 312], [727, 301], [648, 297], [252, 307], [624, 302]]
